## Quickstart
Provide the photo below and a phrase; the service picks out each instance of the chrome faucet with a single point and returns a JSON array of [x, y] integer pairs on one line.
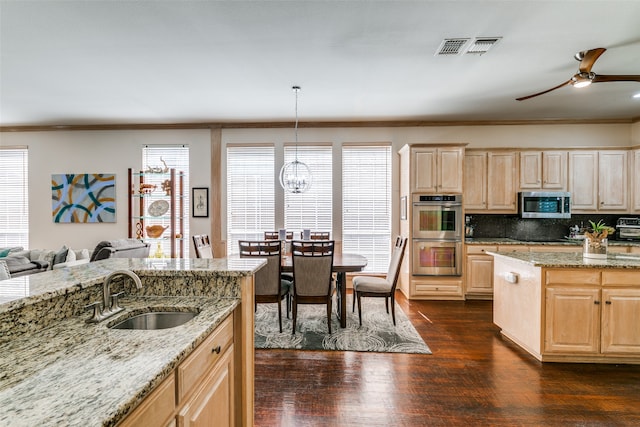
[[110, 304]]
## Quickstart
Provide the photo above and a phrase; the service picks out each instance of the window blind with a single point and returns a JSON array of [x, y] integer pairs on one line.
[[14, 197], [366, 204], [250, 193], [312, 209], [175, 157]]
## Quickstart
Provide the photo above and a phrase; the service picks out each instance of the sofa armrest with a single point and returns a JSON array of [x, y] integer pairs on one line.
[[43, 265]]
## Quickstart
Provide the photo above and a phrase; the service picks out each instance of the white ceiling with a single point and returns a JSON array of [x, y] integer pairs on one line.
[[121, 62]]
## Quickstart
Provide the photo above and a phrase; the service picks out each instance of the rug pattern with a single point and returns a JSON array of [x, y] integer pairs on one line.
[[377, 334]]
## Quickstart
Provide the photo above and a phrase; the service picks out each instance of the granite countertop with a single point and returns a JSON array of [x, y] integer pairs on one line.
[[560, 242], [68, 372], [571, 260]]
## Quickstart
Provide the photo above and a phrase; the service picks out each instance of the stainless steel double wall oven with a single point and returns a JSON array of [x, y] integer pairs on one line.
[[437, 232]]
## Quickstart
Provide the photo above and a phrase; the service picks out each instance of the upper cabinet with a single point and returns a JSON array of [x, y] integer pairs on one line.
[[543, 170], [435, 169], [598, 180], [491, 181], [502, 181], [635, 180], [475, 180]]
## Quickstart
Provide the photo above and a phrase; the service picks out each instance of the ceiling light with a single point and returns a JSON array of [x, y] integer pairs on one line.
[[637, 95], [582, 79], [295, 177]]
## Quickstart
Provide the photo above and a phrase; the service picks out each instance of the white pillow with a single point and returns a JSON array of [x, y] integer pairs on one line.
[[4, 270], [83, 254], [71, 256]]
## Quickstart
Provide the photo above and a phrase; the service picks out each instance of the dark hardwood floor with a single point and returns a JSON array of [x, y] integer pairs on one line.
[[473, 378]]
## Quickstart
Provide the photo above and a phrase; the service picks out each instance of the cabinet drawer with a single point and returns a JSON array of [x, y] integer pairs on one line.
[[621, 278], [513, 248], [157, 409], [191, 371], [572, 277], [476, 249], [452, 288]]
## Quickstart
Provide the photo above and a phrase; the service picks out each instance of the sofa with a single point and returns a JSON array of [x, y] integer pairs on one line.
[[18, 261], [122, 248]]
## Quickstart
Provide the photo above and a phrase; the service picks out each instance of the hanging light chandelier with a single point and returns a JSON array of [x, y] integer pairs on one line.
[[295, 177]]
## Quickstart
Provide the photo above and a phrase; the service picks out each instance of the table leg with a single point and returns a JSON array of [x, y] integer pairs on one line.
[[341, 296]]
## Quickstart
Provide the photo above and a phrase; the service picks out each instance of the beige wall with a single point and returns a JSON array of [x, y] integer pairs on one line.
[[115, 151]]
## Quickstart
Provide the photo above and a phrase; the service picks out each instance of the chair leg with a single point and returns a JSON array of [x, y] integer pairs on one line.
[[359, 310], [386, 303], [280, 314], [329, 314], [393, 308], [353, 306], [294, 309]]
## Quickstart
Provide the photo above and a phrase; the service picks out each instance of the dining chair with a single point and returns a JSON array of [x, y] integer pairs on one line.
[[313, 282], [269, 286], [370, 286], [274, 235], [202, 246], [319, 235]]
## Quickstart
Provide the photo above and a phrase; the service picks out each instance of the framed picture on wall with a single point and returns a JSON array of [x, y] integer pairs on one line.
[[200, 202]]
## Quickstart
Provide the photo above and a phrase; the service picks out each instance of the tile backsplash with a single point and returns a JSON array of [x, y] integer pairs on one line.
[[529, 229]]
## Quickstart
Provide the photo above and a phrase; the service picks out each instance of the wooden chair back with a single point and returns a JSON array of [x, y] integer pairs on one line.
[[267, 279], [312, 265], [320, 235], [202, 246], [274, 235], [396, 260]]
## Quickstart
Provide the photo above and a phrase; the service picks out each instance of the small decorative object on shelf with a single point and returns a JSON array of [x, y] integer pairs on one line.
[[159, 252], [595, 240], [156, 215]]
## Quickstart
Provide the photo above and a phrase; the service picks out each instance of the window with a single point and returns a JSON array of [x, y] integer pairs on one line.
[[313, 208], [250, 193], [366, 204], [176, 157], [14, 197]]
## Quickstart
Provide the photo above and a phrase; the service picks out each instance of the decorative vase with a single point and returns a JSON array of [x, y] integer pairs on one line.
[[595, 248]]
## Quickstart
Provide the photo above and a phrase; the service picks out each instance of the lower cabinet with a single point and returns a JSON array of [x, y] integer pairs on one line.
[[436, 288], [479, 272], [200, 392], [594, 320]]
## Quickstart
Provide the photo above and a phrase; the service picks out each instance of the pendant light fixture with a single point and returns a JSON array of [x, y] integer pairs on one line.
[[295, 177]]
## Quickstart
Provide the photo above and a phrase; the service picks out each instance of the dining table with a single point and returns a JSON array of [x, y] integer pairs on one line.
[[343, 263]]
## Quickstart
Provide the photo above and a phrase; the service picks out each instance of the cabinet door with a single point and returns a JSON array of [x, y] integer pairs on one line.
[[554, 170], [502, 181], [479, 274], [612, 183], [450, 169], [621, 320], [157, 409], [531, 169], [583, 180], [424, 170], [212, 404], [572, 320], [635, 180], [475, 181]]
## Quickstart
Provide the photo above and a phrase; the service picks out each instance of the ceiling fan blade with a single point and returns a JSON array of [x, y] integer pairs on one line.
[[589, 57], [621, 78], [546, 91]]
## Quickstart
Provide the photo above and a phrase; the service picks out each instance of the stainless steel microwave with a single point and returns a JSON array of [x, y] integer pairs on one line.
[[544, 204]]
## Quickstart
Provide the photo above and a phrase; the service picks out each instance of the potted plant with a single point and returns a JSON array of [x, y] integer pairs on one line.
[[595, 240]]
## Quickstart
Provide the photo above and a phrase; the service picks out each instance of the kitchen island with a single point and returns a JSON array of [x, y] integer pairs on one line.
[[56, 369], [561, 307]]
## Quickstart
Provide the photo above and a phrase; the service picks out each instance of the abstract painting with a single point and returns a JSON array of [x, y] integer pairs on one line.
[[83, 197]]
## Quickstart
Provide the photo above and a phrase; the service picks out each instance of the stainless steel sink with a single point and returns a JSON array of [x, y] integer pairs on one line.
[[156, 320]]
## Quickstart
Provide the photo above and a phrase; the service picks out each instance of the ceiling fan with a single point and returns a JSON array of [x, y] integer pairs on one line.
[[585, 76]]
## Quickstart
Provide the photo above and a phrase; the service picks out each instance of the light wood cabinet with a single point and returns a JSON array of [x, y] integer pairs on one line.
[[475, 181], [200, 391], [212, 403], [635, 180], [543, 170], [502, 179], [585, 314], [436, 169], [491, 182], [598, 180], [479, 272]]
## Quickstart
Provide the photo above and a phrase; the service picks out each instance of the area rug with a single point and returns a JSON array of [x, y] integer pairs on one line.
[[377, 333]]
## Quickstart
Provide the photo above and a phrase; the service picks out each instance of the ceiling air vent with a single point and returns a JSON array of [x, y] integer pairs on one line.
[[482, 44], [451, 46]]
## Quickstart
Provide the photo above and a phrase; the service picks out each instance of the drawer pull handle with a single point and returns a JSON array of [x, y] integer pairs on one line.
[[216, 350], [596, 302]]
